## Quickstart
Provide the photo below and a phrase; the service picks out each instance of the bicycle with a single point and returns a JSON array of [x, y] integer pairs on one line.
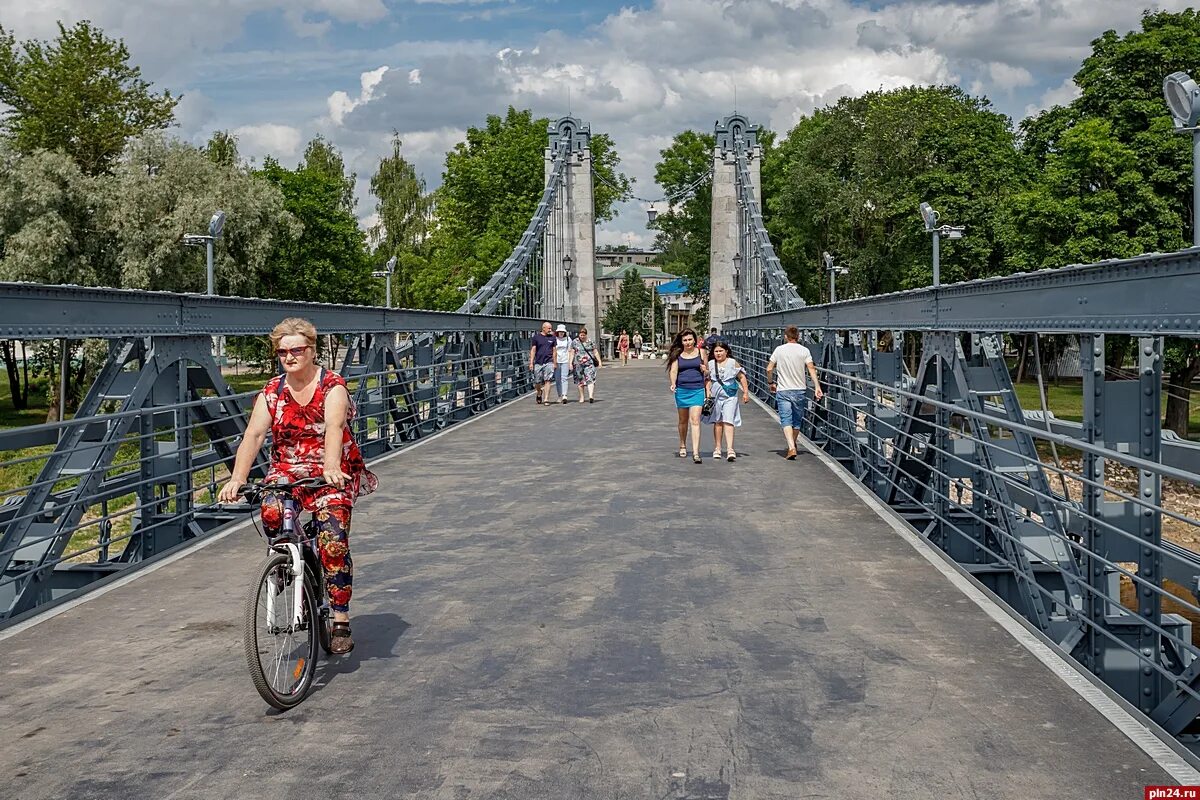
[[287, 611]]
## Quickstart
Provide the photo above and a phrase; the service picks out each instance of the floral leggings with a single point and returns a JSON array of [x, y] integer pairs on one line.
[[333, 542]]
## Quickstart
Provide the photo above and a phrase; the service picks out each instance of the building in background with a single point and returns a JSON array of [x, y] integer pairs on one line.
[[611, 268], [679, 307]]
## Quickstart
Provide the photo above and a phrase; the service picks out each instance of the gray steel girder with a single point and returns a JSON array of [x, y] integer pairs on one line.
[[1156, 294]]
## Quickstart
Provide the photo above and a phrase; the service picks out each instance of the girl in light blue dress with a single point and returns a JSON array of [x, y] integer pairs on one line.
[[725, 375]]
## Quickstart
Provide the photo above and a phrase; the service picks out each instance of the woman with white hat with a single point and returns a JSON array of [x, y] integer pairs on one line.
[[562, 361]]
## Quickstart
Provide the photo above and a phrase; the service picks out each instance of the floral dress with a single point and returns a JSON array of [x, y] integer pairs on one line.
[[585, 362], [298, 452]]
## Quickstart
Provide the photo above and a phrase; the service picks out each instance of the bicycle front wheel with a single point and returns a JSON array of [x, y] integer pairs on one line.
[[280, 644]]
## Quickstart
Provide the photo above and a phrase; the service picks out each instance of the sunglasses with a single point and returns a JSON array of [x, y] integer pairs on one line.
[[294, 352]]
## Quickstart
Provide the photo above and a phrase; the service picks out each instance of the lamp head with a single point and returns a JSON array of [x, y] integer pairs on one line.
[[391, 265], [216, 224], [1183, 99], [652, 214], [929, 215]]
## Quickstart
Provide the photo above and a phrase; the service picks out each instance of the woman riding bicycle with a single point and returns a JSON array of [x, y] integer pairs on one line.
[[307, 411]]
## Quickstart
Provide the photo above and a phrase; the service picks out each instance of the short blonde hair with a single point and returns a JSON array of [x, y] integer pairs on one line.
[[294, 326]]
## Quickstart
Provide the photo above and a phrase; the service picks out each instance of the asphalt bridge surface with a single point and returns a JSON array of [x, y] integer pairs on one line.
[[550, 605]]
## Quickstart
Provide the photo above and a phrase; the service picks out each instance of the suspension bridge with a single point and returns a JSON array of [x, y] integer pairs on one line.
[[947, 594]]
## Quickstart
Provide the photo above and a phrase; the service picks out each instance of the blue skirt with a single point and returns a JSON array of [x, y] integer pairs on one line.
[[689, 398]]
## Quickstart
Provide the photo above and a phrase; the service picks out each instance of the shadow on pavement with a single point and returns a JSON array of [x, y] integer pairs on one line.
[[375, 637]]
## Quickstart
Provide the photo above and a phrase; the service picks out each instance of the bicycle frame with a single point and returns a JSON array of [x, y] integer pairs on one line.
[[291, 544]]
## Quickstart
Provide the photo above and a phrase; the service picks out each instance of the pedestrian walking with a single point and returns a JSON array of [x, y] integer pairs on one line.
[[541, 363], [562, 362], [637, 344], [585, 360], [725, 375], [791, 391], [685, 364], [623, 347]]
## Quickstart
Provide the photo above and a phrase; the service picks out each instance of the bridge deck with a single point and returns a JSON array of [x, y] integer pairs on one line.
[[551, 605]]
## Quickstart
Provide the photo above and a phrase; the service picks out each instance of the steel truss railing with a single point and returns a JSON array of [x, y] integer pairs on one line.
[[135, 472], [1064, 524], [762, 284]]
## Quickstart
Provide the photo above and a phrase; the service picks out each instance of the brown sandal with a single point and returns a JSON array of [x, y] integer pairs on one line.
[[340, 642]]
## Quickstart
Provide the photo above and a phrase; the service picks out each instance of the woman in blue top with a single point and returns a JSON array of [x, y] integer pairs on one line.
[[689, 382]]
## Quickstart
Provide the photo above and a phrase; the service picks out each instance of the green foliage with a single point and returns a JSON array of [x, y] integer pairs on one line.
[[77, 94], [684, 230], [1091, 201], [849, 179], [51, 222], [164, 189], [403, 208], [321, 157], [1115, 180], [628, 313], [222, 149], [327, 260]]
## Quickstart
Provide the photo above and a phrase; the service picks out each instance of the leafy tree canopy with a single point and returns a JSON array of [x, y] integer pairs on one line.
[[78, 95], [327, 261]]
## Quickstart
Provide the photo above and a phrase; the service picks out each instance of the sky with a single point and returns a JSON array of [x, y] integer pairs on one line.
[[278, 73]]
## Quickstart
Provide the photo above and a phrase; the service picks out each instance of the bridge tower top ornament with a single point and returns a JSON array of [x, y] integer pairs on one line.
[[571, 130], [735, 127]]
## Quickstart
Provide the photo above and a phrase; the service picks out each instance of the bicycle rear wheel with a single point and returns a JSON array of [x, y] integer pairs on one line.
[[281, 655]]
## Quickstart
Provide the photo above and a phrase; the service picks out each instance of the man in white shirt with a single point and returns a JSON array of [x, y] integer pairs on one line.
[[791, 391]]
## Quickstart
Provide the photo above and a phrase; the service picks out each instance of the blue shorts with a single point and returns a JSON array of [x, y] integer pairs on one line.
[[791, 405], [689, 398]]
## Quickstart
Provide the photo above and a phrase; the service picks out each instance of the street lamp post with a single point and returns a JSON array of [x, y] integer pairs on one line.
[[386, 273], [737, 285], [931, 218], [834, 270], [470, 290], [1183, 99], [215, 226]]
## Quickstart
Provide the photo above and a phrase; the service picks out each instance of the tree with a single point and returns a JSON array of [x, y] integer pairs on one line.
[[51, 222], [1113, 171], [326, 261], [629, 312], [163, 189], [490, 190], [322, 157], [78, 95], [403, 208], [222, 149], [849, 178], [684, 229]]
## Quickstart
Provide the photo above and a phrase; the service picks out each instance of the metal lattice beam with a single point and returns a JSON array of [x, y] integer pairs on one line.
[[1156, 294], [35, 311]]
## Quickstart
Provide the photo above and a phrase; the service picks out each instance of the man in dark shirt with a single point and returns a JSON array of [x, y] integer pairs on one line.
[[541, 362]]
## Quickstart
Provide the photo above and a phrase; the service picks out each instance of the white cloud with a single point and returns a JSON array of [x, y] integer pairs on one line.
[[1006, 77], [641, 74], [1057, 96], [281, 141], [341, 104]]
